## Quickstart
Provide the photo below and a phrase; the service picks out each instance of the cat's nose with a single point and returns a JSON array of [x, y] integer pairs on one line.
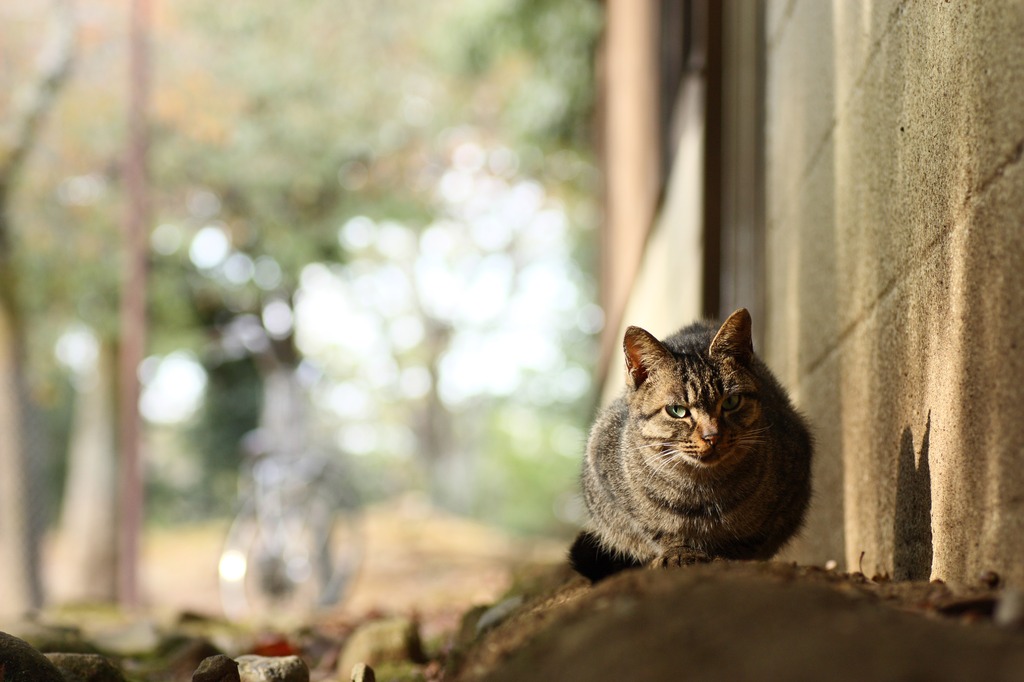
[[710, 437]]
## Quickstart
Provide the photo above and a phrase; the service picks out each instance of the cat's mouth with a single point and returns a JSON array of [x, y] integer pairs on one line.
[[706, 458], [696, 458]]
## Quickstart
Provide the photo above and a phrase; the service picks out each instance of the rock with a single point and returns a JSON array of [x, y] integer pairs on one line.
[[85, 667], [989, 579], [468, 624], [390, 640], [498, 613], [127, 639], [21, 663], [182, 655], [363, 673], [401, 672], [217, 668], [1010, 609], [56, 638], [272, 669]]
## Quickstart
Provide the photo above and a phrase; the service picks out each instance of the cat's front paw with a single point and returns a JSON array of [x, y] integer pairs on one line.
[[682, 556]]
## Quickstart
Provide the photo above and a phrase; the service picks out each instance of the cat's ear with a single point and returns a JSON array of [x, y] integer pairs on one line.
[[643, 352], [733, 339]]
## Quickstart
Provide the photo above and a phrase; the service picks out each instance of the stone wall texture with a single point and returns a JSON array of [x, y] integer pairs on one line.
[[895, 276]]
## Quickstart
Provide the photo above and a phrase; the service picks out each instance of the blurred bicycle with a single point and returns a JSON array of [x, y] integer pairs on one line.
[[295, 544]]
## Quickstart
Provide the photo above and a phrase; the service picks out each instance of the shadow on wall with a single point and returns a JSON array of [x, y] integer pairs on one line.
[[912, 528]]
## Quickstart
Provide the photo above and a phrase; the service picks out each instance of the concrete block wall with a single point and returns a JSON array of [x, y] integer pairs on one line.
[[895, 276]]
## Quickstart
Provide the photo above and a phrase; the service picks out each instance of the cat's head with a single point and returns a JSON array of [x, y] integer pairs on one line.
[[697, 405]]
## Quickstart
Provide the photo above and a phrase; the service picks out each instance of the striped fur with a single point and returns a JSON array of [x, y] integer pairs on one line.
[[703, 456]]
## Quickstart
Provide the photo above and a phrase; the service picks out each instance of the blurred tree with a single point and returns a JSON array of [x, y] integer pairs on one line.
[[551, 46], [472, 313], [292, 136], [67, 211], [273, 127], [230, 410], [268, 147], [20, 521], [89, 515]]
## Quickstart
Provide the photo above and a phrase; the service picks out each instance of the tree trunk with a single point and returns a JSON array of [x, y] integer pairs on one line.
[[449, 469], [20, 589], [20, 521], [89, 518], [133, 304]]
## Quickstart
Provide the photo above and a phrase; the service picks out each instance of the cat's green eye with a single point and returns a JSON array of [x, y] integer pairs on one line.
[[731, 402], [678, 411]]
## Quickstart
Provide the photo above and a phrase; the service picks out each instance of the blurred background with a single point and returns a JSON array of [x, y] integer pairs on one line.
[[356, 237]]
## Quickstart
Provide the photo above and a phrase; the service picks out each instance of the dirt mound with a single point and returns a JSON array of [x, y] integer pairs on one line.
[[747, 621]]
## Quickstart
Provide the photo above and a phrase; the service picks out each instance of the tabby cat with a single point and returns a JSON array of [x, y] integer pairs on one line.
[[704, 456]]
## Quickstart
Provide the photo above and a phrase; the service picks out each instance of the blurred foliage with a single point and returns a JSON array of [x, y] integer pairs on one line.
[[274, 125], [230, 411], [552, 42], [523, 471]]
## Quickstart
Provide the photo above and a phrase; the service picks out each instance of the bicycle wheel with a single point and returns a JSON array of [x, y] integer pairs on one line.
[[288, 566]]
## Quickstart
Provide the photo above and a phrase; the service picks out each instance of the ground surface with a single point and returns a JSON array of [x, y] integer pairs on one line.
[[737, 621], [417, 559], [754, 621]]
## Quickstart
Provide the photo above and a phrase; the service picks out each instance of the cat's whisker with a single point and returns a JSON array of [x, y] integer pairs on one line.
[[653, 445], [662, 462], [666, 455]]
